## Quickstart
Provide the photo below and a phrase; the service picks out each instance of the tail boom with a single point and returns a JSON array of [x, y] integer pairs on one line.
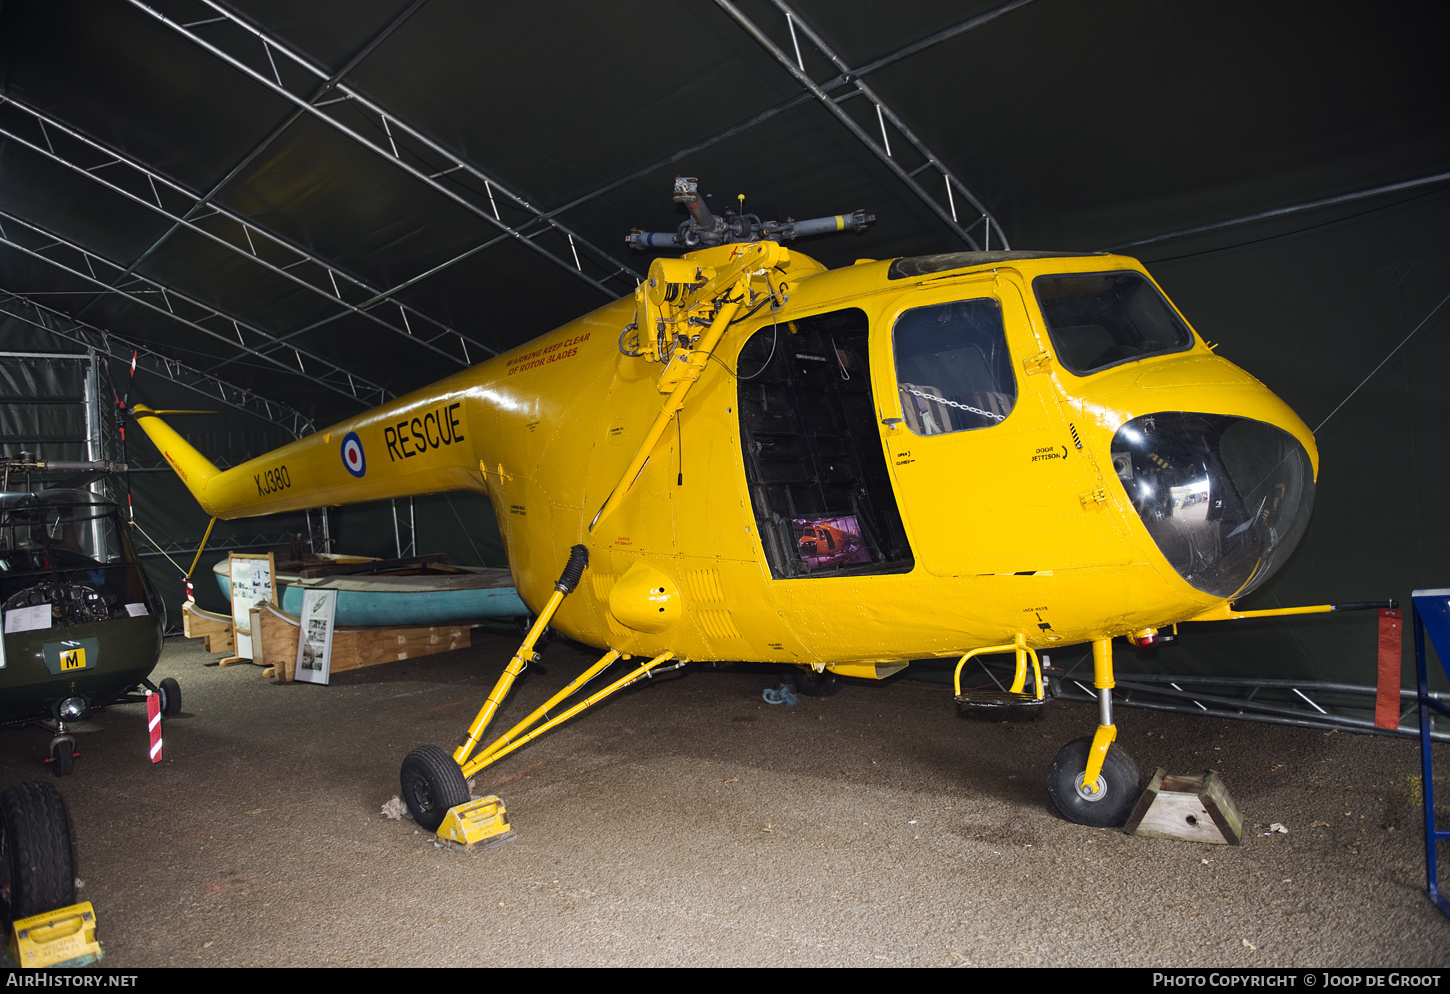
[[422, 443]]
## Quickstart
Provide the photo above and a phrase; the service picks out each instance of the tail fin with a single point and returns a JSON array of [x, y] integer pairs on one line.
[[195, 470]]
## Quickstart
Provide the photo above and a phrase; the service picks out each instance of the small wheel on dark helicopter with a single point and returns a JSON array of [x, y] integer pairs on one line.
[[35, 851], [62, 755], [1118, 786], [813, 684], [432, 784], [170, 698]]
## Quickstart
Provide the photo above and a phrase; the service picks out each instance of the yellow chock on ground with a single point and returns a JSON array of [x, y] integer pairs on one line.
[[64, 937], [476, 825]]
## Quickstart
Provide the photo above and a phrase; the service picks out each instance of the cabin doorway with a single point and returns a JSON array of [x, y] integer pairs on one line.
[[814, 463]]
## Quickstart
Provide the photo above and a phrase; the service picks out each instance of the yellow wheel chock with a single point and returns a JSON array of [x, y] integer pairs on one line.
[[479, 824], [63, 937]]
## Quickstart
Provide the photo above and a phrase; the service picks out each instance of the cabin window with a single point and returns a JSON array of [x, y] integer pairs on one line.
[[953, 369], [811, 442], [1097, 320], [73, 562]]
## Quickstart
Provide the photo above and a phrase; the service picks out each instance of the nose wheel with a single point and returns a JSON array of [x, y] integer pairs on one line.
[[62, 755], [1091, 780], [1117, 785]]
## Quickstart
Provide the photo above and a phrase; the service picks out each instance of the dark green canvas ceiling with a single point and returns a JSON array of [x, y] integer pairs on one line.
[[1078, 125]]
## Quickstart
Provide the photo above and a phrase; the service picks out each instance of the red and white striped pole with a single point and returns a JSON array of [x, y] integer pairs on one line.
[[153, 721]]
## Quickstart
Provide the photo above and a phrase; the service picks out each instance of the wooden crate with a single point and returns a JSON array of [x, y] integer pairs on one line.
[[216, 629], [275, 634]]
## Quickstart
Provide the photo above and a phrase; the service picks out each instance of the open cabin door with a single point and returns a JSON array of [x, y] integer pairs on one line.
[[985, 461]]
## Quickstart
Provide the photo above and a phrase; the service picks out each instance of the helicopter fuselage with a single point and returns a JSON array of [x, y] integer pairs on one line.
[[1014, 463]]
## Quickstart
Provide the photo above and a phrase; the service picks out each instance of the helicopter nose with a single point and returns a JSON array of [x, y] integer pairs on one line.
[[1225, 498]]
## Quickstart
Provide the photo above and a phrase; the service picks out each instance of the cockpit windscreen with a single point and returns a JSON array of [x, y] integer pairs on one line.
[[1097, 320]]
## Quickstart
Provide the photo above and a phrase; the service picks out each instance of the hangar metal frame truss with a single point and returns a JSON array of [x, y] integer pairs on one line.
[[324, 281], [798, 100], [1303, 703], [321, 277], [1275, 212], [882, 150], [136, 288], [212, 387], [399, 138]]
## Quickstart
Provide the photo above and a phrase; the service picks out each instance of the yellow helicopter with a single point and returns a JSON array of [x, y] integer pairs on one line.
[[1028, 449]]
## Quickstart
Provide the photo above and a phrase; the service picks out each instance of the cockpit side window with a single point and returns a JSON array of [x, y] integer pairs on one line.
[[953, 369], [1097, 320]]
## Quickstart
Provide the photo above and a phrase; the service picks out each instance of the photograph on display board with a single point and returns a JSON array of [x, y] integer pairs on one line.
[[832, 541], [314, 641]]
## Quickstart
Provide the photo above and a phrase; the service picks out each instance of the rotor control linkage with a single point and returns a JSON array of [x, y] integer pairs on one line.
[[705, 228]]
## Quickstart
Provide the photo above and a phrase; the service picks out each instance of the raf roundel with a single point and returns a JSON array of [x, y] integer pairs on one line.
[[352, 455]]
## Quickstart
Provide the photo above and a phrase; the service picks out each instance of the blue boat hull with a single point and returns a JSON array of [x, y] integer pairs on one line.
[[366, 602]]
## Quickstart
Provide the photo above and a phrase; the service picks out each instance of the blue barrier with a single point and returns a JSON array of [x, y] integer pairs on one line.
[[1432, 616]]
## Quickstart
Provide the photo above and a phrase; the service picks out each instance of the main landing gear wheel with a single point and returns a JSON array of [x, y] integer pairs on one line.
[[432, 784], [170, 698], [35, 851], [1117, 791], [813, 684]]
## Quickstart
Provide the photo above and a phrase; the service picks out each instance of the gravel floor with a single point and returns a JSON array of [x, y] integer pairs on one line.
[[689, 823]]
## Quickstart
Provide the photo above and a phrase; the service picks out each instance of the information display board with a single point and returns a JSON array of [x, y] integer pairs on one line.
[[252, 586]]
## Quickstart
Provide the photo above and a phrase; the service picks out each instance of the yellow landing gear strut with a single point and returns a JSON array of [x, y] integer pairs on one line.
[[1092, 781], [435, 783]]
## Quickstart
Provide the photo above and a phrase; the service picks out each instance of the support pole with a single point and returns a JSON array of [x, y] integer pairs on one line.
[[506, 680], [210, 525], [508, 737]]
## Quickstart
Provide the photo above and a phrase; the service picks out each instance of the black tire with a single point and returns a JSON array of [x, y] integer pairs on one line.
[[170, 698], [1118, 792], [813, 684], [35, 850], [432, 783], [62, 756]]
